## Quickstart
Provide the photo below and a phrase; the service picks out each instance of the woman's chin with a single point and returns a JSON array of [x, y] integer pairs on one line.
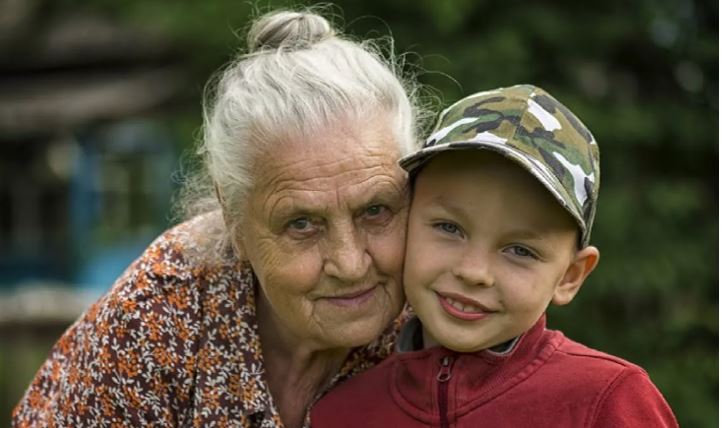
[[359, 320], [359, 332]]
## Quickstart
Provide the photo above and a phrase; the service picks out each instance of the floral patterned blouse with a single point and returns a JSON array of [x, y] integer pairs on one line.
[[173, 343]]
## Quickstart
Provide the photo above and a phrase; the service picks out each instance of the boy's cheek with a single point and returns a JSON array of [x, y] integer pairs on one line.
[[418, 275]]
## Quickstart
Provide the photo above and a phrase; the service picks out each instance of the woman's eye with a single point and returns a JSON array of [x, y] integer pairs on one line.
[[302, 228], [374, 210], [448, 228], [300, 224], [377, 214]]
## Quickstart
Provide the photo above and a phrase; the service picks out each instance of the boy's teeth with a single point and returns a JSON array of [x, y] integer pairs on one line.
[[462, 307], [469, 308]]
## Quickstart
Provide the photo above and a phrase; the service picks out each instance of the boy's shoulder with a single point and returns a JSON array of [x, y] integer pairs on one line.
[[584, 370], [620, 392], [584, 355]]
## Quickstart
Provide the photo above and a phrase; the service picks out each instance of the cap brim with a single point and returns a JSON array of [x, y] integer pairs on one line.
[[412, 163]]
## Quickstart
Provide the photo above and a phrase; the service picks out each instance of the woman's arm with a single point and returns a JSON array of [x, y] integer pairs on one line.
[[128, 361]]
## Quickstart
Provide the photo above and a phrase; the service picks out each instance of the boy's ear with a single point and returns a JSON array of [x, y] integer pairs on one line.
[[582, 264]]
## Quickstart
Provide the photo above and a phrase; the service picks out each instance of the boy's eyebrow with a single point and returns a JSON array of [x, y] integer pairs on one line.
[[449, 205], [525, 234]]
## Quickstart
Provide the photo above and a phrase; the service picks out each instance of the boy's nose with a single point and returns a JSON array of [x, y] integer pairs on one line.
[[474, 269]]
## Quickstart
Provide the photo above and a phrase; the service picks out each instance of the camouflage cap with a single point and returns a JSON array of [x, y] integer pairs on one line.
[[527, 125]]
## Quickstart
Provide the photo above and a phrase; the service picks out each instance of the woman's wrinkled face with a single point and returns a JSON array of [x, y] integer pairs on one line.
[[324, 231]]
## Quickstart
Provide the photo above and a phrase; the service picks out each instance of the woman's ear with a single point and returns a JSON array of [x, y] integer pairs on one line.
[[237, 242], [582, 264], [219, 196], [235, 238]]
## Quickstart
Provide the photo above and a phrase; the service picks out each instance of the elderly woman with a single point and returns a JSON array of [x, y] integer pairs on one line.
[[247, 314]]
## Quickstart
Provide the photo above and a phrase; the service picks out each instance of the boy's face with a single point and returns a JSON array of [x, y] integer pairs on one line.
[[488, 249]]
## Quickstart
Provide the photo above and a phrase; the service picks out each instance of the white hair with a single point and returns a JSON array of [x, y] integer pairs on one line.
[[298, 76]]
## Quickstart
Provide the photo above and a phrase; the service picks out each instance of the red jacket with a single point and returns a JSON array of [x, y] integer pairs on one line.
[[545, 380]]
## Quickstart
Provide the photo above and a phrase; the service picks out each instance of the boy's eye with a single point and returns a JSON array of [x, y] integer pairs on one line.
[[520, 251], [450, 228]]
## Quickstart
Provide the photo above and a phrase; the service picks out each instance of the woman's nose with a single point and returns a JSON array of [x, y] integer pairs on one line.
[[346, 258], [475, 268]]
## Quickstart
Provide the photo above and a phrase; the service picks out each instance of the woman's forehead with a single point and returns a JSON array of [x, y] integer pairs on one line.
[[331, 154], [337, 169], [377, 190], [343, 193]]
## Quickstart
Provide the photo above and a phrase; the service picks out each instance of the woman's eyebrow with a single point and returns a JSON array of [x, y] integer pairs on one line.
[[293, 209], [387, 192], [288, 207]]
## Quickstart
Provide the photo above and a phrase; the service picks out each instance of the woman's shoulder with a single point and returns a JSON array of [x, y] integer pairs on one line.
[[192, 248], [184, 256], [178, 276], [159, 328]]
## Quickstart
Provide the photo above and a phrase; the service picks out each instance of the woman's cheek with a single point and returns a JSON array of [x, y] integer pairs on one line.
[[299, 271], [387, 248], [285, 271]]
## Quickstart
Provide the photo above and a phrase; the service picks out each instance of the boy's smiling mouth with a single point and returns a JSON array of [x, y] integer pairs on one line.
[[462, 307]]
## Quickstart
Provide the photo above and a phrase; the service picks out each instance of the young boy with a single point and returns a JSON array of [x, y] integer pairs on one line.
[[504, 198]]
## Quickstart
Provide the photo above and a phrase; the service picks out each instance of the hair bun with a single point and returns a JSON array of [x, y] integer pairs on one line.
[[286, 29]]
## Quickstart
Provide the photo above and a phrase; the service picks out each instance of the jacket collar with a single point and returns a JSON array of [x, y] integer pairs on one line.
[[410, 340], [474, 377]]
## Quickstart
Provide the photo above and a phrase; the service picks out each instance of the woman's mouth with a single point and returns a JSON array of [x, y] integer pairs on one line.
[[354, 299], [462, 308]]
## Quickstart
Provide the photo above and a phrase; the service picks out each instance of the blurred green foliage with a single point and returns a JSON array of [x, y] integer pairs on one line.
[[641, 74]]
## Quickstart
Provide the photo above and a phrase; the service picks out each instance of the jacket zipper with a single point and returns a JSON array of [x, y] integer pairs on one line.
[[443, 376]]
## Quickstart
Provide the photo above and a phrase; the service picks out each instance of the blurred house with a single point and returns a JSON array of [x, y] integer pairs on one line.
[[85, 166]]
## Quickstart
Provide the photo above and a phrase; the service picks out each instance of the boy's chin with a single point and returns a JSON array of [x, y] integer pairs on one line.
[[464, 344], [453, 345], [466, 348]]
